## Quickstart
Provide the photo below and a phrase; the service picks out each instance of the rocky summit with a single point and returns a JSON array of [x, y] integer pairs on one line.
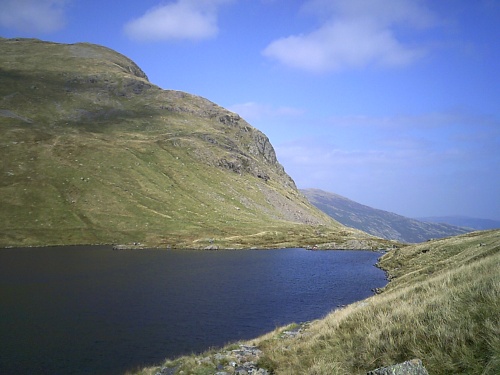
[[93, 152]]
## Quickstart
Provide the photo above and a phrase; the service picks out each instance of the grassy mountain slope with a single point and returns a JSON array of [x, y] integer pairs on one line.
[[442, 305], [378, 222], [92, 152]]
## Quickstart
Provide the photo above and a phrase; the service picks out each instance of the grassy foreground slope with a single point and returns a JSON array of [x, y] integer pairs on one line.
[[92, 152], [442, 305]]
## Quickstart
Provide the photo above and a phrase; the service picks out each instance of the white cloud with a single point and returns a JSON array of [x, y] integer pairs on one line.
[[354, 34], [180, 20], [320, 155], [33, 15]]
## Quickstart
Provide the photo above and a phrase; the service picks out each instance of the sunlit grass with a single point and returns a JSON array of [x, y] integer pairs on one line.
[[92, 153]]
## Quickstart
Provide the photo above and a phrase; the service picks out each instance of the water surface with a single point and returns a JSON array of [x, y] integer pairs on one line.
[[92, 310]]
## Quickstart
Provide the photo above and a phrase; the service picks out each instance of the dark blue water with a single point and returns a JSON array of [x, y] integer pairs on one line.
[[92, 310]]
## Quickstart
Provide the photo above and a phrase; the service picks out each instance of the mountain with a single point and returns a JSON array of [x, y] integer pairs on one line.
[[463, 221], [378, 222], [93, 152]]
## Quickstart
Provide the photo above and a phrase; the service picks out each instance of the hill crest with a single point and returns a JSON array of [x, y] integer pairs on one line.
[[95, 153]]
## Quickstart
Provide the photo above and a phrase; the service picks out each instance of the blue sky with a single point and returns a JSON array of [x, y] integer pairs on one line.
[[392, 103]]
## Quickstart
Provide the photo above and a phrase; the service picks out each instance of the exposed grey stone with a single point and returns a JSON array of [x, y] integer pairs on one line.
[[167, 371], [233, 165], [211, 247], [229, 118], [219, 356], [262, 146], [412, 367]]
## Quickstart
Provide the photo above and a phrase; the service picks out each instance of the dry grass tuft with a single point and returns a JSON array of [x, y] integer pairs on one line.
[[450, 318]]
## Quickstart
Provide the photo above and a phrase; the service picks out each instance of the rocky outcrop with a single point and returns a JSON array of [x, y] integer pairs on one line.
[[230, 119], [241, 361], [412, 367], [262, 146]]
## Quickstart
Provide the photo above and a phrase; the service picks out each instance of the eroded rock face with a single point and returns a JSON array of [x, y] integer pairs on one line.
[[263, 147], [230, 119], [412, 367]]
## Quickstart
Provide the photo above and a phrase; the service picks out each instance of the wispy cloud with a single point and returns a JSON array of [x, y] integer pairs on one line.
[[395, 176], [316, 154], [44, 16], [354, 34], [429, 120], [426, 162], [179, 20]]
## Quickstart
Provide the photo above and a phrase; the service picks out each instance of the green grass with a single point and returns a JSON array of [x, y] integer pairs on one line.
[[114, 185], [94, 153], [442, 306]]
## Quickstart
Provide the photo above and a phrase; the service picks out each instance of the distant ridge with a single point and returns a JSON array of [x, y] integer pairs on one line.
[[377, 222], [463, 221]]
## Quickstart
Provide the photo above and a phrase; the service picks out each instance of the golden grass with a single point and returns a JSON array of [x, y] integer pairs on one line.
[[449, 322], [449, 318]]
